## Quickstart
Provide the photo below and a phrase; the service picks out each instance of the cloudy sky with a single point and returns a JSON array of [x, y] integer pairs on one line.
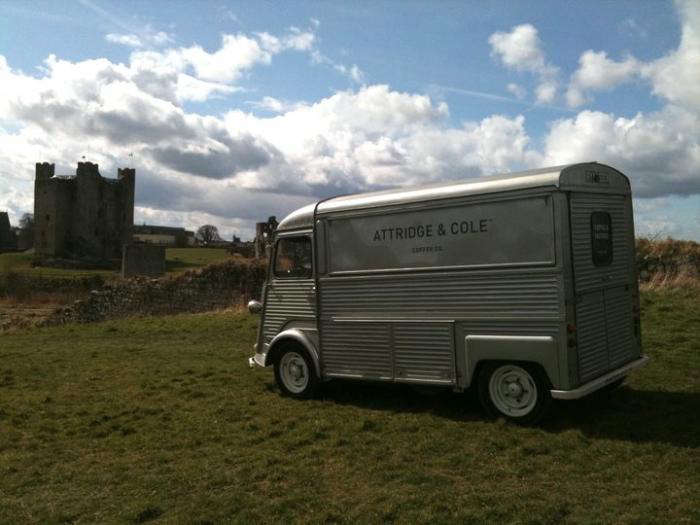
[[231, 112]]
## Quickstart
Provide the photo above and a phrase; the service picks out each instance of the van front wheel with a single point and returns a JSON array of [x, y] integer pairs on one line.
[[294, 373], [518, 392]]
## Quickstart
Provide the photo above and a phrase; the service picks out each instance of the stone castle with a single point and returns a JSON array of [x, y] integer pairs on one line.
[[82, 216]]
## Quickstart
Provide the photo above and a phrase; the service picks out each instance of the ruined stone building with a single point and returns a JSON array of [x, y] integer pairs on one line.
[[8, 241], [163, 235], [263, 236], [82, 216]]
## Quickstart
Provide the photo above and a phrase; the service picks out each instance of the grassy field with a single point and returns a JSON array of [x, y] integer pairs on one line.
[[182, 259], [160, 419], [176, 260]]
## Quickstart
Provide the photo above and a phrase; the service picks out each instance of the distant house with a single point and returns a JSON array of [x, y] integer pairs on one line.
[[162, 235]]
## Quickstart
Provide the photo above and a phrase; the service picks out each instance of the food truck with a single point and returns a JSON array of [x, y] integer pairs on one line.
[[521, 285]]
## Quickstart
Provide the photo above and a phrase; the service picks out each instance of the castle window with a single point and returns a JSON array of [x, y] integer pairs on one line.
[[48, 217]]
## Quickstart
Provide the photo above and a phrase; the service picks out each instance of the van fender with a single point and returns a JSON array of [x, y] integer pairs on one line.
[[541, 350], [308, 341]]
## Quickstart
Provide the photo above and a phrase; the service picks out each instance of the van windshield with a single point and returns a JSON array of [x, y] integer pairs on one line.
[[293, 258]]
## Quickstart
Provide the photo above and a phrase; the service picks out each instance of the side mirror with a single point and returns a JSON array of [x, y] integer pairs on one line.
[[255, 307]]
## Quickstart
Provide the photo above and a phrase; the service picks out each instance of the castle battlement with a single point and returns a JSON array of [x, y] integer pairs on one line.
[[44, 170]]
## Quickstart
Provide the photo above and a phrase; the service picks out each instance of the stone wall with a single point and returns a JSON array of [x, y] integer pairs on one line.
[[215, 287], [143, 259], [667, 257]]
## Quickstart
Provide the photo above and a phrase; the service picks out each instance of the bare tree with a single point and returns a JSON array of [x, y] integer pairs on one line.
[[26, 231], [207, 234]]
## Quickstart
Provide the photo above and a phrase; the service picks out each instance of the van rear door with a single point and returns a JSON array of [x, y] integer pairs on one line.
[[602, 241]]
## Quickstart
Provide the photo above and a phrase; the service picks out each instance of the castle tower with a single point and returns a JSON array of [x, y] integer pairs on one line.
[[85, 216], [49, 199]]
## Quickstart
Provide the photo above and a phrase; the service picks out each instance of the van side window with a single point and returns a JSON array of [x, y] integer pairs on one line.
[[293, 258], [601, 238]]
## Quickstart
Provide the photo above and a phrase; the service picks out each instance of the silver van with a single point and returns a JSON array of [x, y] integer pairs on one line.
[[523, 285]]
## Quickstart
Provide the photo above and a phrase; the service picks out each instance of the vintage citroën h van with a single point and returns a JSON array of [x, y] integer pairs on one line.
[[523, 285]]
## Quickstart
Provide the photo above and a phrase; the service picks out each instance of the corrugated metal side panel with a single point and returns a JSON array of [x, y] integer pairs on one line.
[[424, 351], [502, 302], [285, 301], [357, 349], [592, 339], [621, 341], [514, 293], [604, 301], [589, 276]]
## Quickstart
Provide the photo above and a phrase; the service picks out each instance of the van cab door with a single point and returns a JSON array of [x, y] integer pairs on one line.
[[290, 294]]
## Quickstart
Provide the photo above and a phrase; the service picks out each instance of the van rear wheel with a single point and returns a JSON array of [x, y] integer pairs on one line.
[[295, 373], [518, 392]]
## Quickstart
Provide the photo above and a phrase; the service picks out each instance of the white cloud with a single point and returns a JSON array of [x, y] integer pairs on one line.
[[145, 37], [660, 151], [275, 105], [235, 168], [236, 54], [299, 40], [125, 40], [675, 76], [376, 137], [521, 50], [517, 90], [597, 72], [631, 27], [353, 72]]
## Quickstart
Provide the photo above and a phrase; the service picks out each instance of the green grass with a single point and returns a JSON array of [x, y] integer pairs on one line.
[[177, 260], [161, 419], [21, 263], [181, 259]]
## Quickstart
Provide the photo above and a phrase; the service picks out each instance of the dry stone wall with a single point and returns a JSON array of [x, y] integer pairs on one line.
[[667, 257], [214, 287]]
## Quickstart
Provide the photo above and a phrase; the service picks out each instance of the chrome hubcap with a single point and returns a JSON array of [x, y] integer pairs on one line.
[[513, 390], [294, 372]]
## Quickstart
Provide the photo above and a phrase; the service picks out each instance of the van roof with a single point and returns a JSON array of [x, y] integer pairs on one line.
[[539, 178]]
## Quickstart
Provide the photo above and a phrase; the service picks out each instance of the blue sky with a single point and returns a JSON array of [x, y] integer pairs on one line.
[[231, 112]]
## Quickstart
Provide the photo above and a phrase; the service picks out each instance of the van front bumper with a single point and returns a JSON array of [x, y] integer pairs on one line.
[[600, 382], [257, 359]]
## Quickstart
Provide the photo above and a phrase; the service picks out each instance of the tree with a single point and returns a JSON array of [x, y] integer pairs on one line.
[[207, 233], [26, 231], [27, 221]]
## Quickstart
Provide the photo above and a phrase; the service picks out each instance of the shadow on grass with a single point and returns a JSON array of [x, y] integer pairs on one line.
[[391, 397], [625, 414], [642, 416]]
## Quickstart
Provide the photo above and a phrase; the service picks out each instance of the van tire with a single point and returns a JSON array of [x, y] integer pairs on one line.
[[295, 373], [515, 391]]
